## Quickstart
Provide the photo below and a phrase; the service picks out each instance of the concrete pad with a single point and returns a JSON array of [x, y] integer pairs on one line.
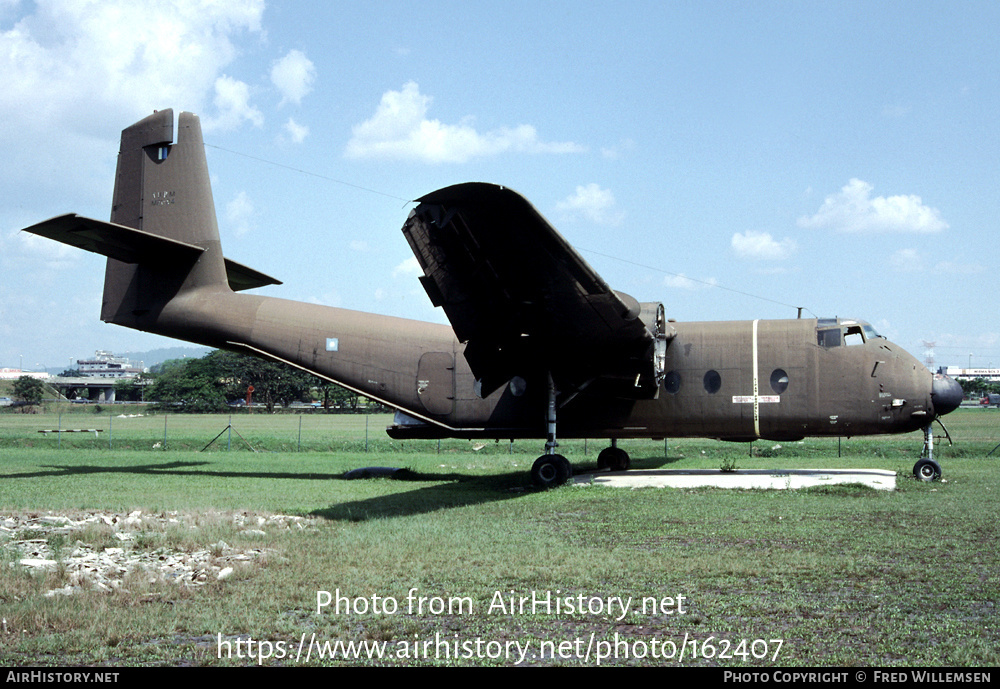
[[880, 479]]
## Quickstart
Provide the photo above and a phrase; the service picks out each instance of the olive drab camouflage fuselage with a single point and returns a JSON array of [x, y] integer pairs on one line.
[[537, 338]]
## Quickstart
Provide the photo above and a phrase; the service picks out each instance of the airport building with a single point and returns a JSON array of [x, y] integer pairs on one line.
[[991, 375], [15, 373], [106, 365]]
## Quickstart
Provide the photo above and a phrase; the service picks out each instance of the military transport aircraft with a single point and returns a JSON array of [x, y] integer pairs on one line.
[[538, 342]]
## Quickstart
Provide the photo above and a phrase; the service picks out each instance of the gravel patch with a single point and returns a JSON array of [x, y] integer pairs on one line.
[[49, 542]]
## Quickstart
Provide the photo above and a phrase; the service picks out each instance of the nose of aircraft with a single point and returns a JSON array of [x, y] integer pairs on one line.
[[946, 394]]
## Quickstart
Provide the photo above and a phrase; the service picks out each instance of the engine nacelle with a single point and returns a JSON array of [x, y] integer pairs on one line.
[[641, 373], [653, 315]]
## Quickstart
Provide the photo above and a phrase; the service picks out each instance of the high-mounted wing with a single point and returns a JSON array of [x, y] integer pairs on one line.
[[524, 301]]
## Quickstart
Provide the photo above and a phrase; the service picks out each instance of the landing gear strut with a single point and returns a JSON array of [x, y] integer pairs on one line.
[[551, 469], [926, 469]]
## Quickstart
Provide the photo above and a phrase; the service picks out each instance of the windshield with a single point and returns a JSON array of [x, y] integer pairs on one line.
[[836, 332]]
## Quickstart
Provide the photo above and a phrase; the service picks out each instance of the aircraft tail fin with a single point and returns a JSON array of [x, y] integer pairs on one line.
[[163, 237], [162, 188]]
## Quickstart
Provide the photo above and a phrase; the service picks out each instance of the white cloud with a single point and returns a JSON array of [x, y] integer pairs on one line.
[[911, 261], [296, 132], [53, 255], [853, 210], [241, 214], [408, 268], [594, 204], [907, 261], [761, 245], [331, 298], [76, 62], [616, 152], [293, 75], [684, 282], [232, 101], [400, 130]]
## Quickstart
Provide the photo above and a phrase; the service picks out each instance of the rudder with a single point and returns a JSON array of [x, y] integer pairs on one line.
[[162, 188]]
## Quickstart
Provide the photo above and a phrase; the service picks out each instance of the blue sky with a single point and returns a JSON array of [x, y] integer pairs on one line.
[[732, 160]]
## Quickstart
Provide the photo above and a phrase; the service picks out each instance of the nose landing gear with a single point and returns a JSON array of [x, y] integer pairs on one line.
[[926, 469]]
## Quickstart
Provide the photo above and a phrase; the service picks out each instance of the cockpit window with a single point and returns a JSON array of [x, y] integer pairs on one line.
[[853, 336], [870, 332], [834, 332], [828, 337]]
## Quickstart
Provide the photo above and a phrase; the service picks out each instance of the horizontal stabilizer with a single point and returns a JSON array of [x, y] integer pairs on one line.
[[129, 245], [241, 277], [121, 243]]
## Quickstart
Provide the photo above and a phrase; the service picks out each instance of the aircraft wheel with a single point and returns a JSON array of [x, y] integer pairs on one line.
[[604, 458], [613, 458], [927, 470], [550, 471], [622, 461]]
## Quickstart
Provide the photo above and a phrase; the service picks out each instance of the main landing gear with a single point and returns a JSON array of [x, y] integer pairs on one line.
[[552, 469], [926, 469], [613, 458]]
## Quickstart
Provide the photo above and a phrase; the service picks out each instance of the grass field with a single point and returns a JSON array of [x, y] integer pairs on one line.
[[442, 566]]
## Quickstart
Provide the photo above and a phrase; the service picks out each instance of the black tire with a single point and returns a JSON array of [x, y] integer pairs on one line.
[[622, 461], [604, 458], [565, 467], [550, 471], [613, 458], [927, 470]]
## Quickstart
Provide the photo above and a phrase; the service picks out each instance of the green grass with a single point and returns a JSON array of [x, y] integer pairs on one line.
[[842, 575]]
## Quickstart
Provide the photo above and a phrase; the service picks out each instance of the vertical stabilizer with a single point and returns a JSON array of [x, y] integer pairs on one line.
[[162, 188]]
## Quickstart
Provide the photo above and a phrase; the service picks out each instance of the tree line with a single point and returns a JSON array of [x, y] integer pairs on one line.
[[977, 387], [220, 379]]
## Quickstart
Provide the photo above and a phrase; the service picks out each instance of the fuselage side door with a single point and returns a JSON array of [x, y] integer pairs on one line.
[[436, 382]]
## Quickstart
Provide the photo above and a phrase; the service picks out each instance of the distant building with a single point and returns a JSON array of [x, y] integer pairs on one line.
[[106, 365], [989, 374], [15, 373]]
